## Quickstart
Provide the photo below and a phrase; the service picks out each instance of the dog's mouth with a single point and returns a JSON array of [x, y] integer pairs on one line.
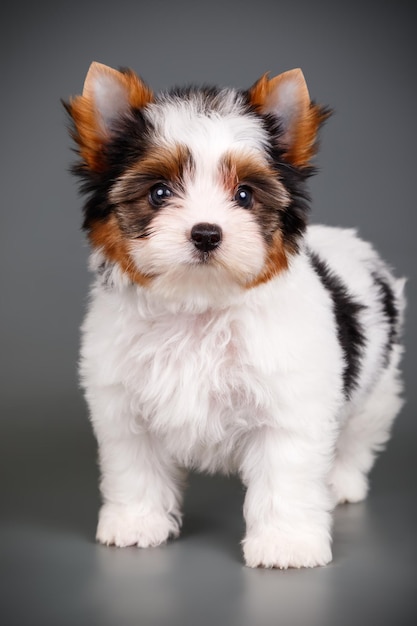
[[203, 257]]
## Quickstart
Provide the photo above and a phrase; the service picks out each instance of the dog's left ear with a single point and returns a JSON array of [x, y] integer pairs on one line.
[[286, 97], [107, 96]]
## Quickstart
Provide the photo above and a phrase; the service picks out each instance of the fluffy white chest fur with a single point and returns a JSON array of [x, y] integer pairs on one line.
[[222, 333], [204, 380]]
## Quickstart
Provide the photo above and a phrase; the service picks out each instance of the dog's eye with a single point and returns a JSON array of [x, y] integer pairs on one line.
[[244, 196], [159, 194]]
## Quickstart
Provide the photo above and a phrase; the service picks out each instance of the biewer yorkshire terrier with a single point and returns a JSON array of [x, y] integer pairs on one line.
[[223, 333]]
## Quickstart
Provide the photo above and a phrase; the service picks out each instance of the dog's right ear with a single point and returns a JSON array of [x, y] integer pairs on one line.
[[107, 96]]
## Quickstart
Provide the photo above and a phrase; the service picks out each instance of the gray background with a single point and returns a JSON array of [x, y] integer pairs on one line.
[[357, 58]]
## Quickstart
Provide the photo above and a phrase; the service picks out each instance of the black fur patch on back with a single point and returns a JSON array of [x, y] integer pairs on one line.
[[389, 308], [349, 329]]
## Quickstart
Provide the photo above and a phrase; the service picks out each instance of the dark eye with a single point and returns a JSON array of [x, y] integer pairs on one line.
[[244, 196], [159, 194]]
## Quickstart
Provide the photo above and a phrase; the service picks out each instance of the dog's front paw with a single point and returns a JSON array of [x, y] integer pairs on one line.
[[123, 526], [272, 547]]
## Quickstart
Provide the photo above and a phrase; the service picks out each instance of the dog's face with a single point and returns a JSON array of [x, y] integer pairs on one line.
[[196, 189]]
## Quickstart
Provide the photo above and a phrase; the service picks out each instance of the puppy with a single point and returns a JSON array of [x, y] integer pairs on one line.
[[222, 333]]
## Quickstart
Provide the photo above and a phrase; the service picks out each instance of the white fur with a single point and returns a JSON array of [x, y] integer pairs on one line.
[[207, 134], [251, 385], [197, 371]]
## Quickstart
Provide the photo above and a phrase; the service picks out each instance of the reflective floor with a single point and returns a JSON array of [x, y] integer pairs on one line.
[[53, 573]]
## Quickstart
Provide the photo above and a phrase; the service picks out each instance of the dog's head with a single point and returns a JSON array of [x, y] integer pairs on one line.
[[196, 190]]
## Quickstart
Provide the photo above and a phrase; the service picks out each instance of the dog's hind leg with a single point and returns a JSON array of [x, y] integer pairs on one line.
[[365, 433]]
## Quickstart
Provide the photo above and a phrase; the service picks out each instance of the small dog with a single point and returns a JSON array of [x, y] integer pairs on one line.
[[223, 334]]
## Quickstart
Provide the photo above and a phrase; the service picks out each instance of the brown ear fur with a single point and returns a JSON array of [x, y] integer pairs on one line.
[[300, 136], [88, 131]]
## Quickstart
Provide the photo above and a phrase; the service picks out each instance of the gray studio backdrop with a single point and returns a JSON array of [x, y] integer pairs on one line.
[[359, 58]]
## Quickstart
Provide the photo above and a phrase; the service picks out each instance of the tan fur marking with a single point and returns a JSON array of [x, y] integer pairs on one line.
[[304, 146], [259, 91], [107, 236], [276, 262], [89, 134], [168, 164], [164, 163], [237, 168], [305, 124]]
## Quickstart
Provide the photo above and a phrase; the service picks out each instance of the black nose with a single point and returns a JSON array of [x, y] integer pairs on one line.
[[206, 237]]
